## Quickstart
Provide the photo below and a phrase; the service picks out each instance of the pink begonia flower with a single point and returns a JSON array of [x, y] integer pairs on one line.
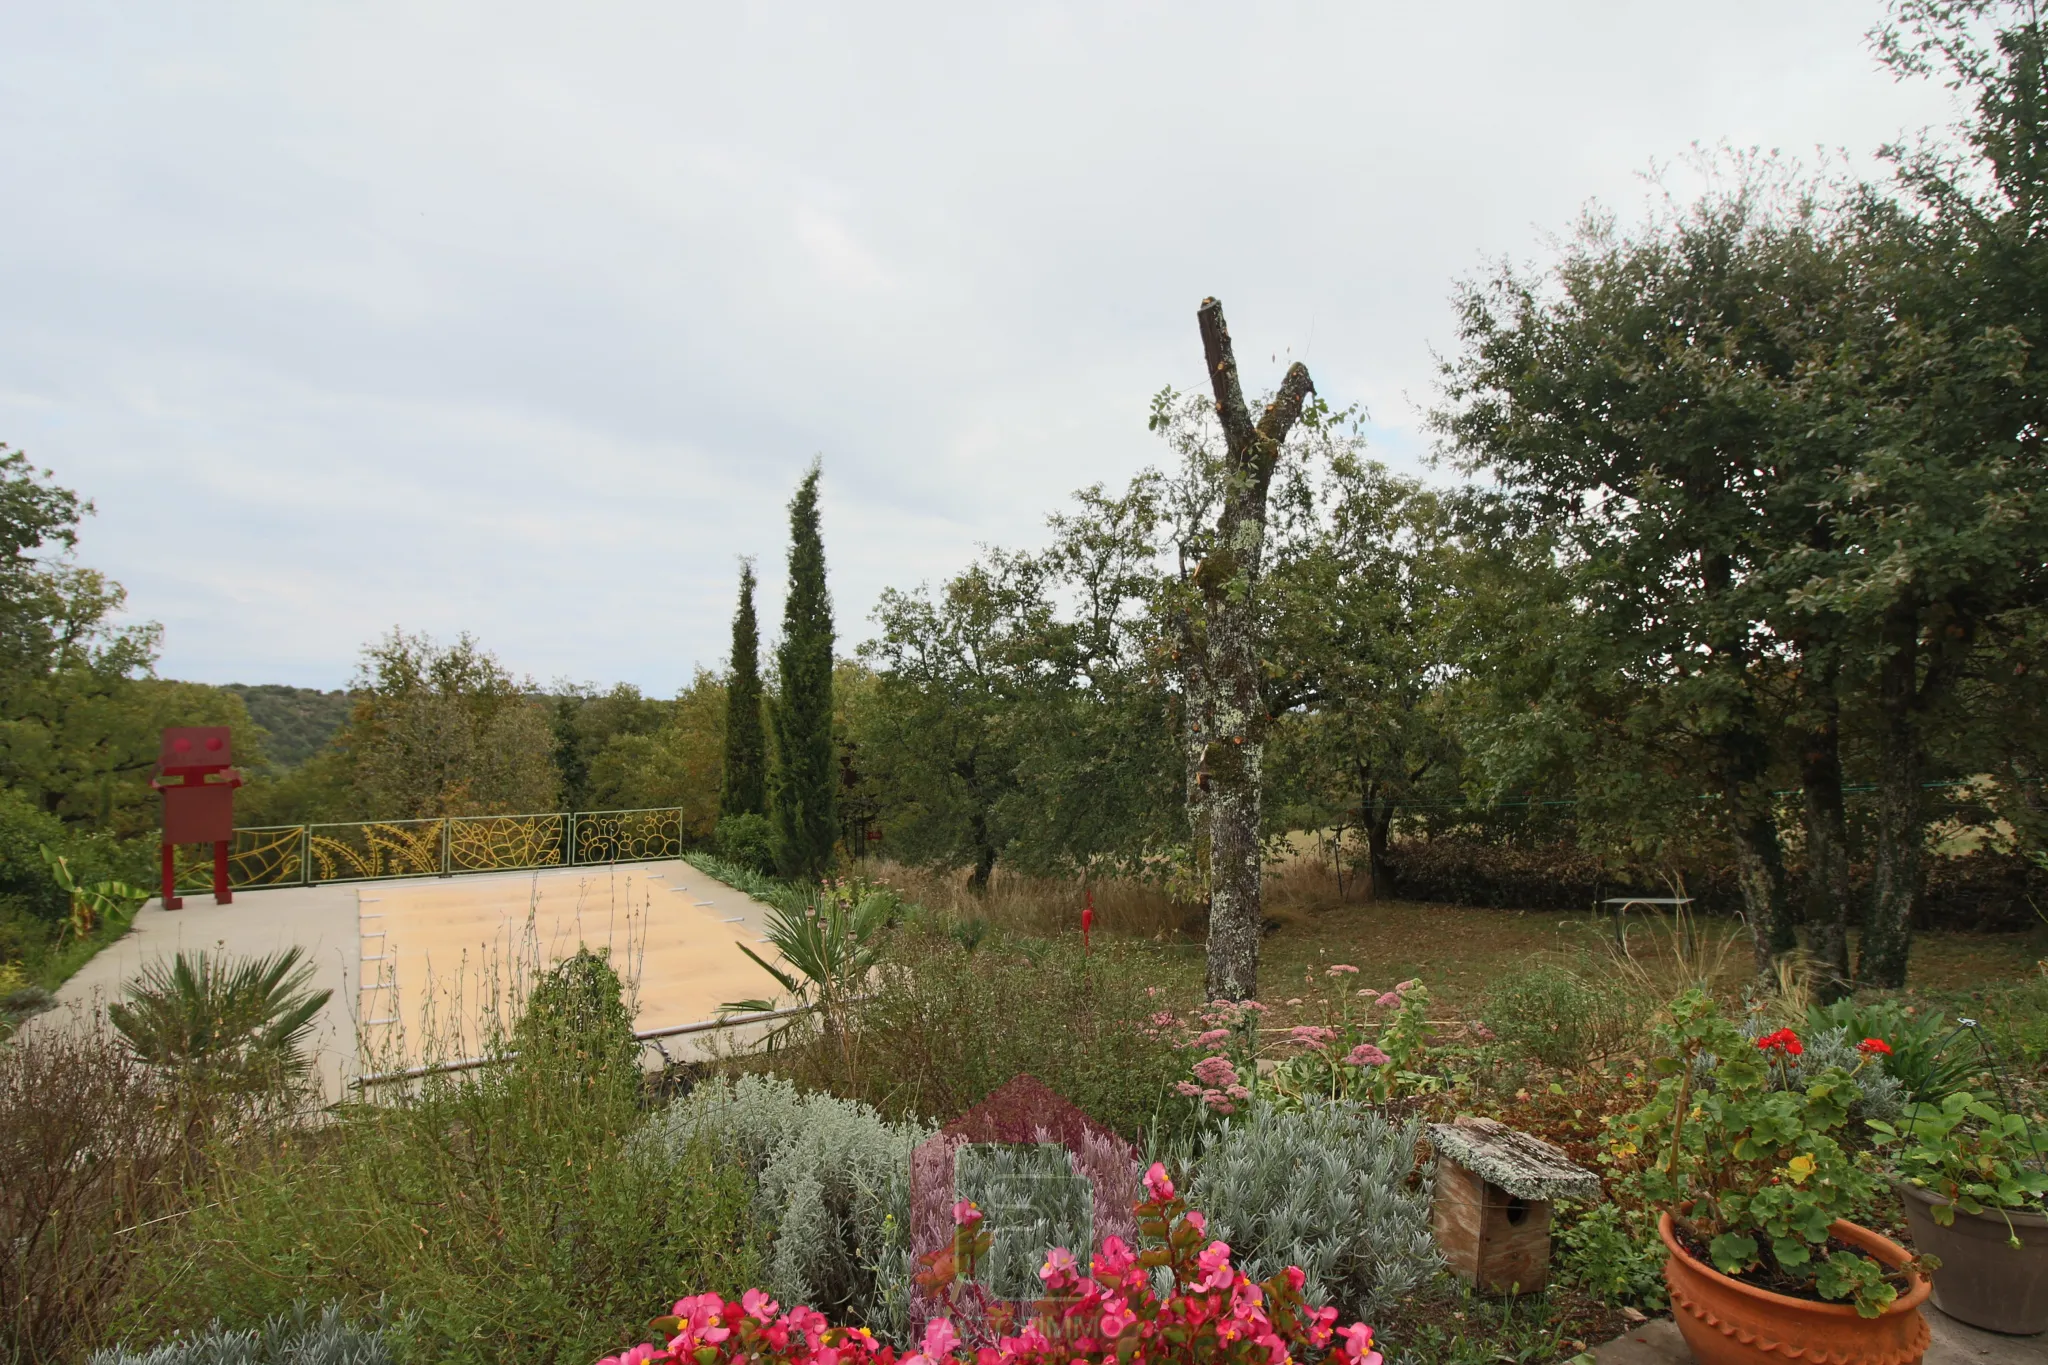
[[1357, 1342], [965, 1213], [1216, 1071], [1319, 1326], [1197, 1221], [758, 1305], [1212, 1038], [1114, 1259], [1365, 1054], [808, 1321], [1341, 969], [1157, 1184], [1388, 1001], [640, 1353], [1311, 1035], [1059, 1264], [1295, 1279], [940, 1338], [1117, 1318]]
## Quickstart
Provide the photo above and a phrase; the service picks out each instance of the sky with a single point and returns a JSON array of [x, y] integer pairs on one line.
[[526, 319]]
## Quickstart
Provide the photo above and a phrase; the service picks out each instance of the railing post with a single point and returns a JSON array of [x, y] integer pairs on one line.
[[305, 855], [446, 822], [569, 852]]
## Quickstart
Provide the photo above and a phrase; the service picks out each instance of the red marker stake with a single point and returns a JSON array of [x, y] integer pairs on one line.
[[1087, 919]]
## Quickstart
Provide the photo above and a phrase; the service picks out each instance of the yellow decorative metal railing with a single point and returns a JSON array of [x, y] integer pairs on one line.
[[372, 850]]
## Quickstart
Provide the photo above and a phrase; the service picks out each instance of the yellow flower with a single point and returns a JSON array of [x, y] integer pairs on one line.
[[1800, 1166]]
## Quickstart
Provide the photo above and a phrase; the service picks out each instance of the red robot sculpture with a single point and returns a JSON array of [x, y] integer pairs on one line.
[[195, 770]]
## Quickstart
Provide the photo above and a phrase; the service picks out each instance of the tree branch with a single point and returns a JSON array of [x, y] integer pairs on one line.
[[1222, 360], [1285, 409]]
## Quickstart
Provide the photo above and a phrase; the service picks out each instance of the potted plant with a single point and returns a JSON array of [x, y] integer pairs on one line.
[[1971, 1177], [1763, 1262]]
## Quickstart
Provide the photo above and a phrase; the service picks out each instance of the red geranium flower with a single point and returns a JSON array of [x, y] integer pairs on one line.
[[1784, 1040], [1874, 1047]]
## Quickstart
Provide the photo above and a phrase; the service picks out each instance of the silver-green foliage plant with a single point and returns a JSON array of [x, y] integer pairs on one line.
[[296, 1338], [832, 1188], [1883, 1095], [1032, 1199], [1334, 1189]]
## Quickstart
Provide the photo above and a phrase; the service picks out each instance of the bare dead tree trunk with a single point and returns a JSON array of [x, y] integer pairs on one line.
[[1233, 737]]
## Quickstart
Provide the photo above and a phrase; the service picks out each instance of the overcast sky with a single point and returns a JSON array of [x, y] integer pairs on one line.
[[525, 319]]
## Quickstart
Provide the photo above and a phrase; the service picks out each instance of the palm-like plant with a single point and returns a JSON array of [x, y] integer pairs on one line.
[[238, 1022], [831, 945]]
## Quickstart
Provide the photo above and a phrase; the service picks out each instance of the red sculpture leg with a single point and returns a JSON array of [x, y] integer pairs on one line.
[[171, 900], [221, 894]]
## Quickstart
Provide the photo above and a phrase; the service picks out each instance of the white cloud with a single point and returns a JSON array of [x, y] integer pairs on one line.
[[525, 319]]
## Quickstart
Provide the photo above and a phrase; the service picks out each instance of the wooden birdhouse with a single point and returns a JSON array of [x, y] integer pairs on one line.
[[1494, 1189]]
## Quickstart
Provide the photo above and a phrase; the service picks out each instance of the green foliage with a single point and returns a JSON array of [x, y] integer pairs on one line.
[[445, 730], [297, 722], [1330, 1187], [1969, 1153], [832, 1194], [588, 726], [744, 789], [1559, 1016], [942, 1026], [1931, 1057], [294, 1338], [1760, 1164], [220, 1021], [92, 904], [762, 887], [501, 1215], [576, 1020], [804, 780], [1614, 1254], [748, 841]]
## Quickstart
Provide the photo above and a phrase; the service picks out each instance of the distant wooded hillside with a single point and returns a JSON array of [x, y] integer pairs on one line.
[[300, 720]]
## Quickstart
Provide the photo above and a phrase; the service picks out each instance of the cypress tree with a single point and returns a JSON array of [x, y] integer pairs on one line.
[[802, 789], [745, 790]]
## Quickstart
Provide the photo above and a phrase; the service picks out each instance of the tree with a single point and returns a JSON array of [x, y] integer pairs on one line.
[[445, 730], [744, 788], [674, 765], [805, 775], [1221, 645]]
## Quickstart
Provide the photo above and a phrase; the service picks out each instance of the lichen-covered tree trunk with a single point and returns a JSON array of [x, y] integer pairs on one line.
[[1233, 743]]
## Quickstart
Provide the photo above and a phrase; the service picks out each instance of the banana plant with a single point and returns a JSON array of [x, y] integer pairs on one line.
[[91, 905]]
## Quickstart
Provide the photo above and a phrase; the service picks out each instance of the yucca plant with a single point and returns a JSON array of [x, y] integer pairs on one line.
[[242, 1023], [831, 944]]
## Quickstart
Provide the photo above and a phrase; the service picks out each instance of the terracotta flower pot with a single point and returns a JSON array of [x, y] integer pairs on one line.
[[1984, 1280], [1727, 1322]]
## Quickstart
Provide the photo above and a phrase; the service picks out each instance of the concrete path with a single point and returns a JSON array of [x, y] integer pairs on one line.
[[1657, 1342], [319, 919], [675, 926]]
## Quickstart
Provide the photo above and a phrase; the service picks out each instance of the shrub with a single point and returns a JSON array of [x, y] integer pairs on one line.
[[942, 1026], [1614, 1254], [292, 1339], [504, 1215], [576, 1019], [831, 1189], [748, 840], [89, 1146], [1334, 1189], [1559, 1017]]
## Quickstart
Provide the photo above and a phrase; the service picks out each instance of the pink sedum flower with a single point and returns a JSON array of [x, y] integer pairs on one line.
[[1215, 1037], [1311, 1035], [1388, 1001], [1365, 1054], [1341, 969], [1216, 1072]]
